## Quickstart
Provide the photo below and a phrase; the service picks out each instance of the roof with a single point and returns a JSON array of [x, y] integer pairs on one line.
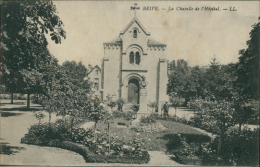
[[94, 68], [132, 22], [152, 42], [118, 40]]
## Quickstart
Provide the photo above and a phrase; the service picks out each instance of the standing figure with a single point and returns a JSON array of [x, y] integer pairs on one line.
[[166, 109]]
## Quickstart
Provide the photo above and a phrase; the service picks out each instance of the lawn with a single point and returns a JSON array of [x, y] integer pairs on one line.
[[167, 140]]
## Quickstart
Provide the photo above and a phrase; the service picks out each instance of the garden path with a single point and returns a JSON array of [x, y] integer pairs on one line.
[[159, 158]]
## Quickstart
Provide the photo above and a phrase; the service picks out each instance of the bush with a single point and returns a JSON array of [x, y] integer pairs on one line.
[[118, 114], [152, 118], [43, 133], [187, 153], [120, 104], [126, 115], [240, 150], [204, 122], [90, 156], [129, 115], [78, 134]]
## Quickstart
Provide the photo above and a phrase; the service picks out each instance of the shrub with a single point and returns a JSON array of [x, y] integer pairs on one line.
[[129, 115], [42, 134], [126, 115], [78, 134], [152, 118], [120, 104], [204, 122], [118, 114], [90, 156], [238, 149], [135, 107], [112, 104]]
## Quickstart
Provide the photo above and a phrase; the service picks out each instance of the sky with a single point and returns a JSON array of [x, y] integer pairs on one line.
[[195, 36]]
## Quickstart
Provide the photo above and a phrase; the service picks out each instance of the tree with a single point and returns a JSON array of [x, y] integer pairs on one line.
[[175, 101], [74, 70], [220, 81], [76, 73], [177, 82], [222, 112], [248, 65], [24, 46]]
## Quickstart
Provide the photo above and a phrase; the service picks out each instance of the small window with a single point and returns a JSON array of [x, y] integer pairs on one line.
[[96, 86], [135, 34], [131, 57], [96, 72], [137, 58], [96, 80]]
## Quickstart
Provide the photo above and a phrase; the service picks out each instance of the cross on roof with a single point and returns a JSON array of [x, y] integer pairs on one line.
[[134, 8]]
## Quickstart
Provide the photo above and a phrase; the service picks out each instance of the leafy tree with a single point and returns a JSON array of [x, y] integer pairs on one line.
[[196, 83], [248, 66], [222, 112], [177, 82], [76, 73], [23, 28], [75, 70], [220, 81]]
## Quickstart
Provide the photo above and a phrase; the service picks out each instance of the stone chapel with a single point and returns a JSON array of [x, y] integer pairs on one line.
[[129, 58]]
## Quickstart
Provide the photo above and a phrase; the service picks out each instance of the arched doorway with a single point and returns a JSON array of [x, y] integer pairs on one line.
[[133, 91]]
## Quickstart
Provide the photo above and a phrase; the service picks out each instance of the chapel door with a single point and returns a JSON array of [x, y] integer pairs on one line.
[[133, 91]]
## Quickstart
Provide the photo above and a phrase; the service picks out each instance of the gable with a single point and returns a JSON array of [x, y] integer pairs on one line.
[[135, 20], [96, 67]]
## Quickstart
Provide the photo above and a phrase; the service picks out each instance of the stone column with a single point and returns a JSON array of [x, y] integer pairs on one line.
[[143, 100]]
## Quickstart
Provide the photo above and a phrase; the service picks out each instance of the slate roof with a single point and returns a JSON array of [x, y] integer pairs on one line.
[[118, 40], [152, 42]]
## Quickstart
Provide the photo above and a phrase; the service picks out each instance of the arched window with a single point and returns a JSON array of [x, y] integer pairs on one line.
[[135, 34], [137, 58], [131, 57]]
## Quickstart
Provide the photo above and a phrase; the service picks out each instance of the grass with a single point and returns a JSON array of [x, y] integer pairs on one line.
[[167, 140]]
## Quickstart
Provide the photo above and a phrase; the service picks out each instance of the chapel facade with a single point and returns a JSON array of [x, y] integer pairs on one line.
[[134, 55]]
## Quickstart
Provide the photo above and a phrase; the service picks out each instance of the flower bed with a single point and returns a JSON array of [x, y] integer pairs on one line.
[[145, 127], [90, 156], [82, 141]]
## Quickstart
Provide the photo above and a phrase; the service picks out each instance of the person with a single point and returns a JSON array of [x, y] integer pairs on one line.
[[166, 109]]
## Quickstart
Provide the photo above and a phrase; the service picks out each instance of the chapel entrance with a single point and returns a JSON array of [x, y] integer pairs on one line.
[[133, 91]]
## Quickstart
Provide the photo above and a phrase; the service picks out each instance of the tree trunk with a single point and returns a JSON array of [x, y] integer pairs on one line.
[[176, 114], [49, 117], [220, 142], [28, 100], [108, 138], [12, 97], [95, 135], [239, 128]]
